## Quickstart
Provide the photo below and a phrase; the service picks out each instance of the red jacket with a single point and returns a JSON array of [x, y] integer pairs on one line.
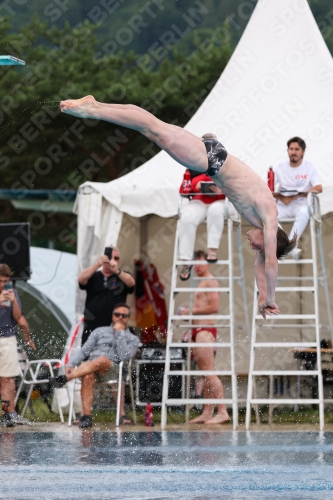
[[207, 199]]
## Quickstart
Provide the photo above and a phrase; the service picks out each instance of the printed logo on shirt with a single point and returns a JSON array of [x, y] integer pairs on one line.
[[301, 177], [112, 284], [115, 285]]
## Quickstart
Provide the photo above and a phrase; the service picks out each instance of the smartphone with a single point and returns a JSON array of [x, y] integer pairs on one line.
[[108, 252], [205, 187], [7, 303]]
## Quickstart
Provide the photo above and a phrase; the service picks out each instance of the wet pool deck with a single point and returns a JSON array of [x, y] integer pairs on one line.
[[104, 427], [53, 461]]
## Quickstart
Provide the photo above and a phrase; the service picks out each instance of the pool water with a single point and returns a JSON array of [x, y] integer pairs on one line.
[[166, 465]]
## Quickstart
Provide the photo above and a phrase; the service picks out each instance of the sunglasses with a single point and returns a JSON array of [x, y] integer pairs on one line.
[[118, 315]]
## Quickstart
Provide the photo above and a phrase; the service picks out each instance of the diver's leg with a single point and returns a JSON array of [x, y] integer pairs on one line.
[[183, 146]]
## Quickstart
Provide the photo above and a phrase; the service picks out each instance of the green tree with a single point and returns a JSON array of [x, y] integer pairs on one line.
[[42, 148]]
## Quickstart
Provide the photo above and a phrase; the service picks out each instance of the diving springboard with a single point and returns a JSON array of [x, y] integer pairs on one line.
[[11, 61]]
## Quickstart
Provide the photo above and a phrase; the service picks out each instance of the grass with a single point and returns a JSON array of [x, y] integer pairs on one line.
[[283, 416]]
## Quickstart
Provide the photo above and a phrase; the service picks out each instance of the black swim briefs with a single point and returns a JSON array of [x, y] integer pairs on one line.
[[216, 154]]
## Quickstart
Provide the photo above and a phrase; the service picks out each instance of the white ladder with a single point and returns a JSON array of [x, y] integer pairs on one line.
[[302, 322], [222, 321]]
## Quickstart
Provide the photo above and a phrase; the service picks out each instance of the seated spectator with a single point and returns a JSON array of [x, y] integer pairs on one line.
[[194, 213], [10, 317], [298, 175], [99, 357], [105, 288]]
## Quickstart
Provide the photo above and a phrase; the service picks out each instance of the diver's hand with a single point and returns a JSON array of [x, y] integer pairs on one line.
[[269, 308]]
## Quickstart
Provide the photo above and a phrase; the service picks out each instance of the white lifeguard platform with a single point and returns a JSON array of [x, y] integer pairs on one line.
[[11, 61]]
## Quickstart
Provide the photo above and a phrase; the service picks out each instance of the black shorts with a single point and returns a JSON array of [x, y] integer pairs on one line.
[[217, 154]]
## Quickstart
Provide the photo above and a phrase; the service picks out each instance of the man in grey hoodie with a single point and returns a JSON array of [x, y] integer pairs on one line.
[[106, 346]]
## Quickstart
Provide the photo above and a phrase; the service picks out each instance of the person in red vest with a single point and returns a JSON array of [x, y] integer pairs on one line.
[[200, 207]]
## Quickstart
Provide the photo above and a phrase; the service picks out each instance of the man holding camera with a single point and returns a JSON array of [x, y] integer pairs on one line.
[[105, 288], [10, 317]]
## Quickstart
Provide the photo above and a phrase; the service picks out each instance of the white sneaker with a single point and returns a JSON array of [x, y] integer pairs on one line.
[[18, 420], [296, 253]]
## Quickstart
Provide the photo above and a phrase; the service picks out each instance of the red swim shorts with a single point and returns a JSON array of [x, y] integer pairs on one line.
[[195, 332]]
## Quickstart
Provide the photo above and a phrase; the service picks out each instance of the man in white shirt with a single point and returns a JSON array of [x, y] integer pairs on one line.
[[298, 175]]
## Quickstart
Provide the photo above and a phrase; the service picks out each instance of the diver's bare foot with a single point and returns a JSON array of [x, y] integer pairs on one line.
[[221, 418], [84, 108], [201, 419]]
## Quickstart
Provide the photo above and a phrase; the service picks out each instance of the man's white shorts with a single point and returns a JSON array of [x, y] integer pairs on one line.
[[9, 364]]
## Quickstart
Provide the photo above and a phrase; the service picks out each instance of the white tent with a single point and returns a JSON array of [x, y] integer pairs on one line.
[[54, 275], [48, 300], [277, 84]]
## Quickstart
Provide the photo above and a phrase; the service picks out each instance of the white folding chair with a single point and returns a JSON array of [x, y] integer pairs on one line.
[[71, 392], [29, 376], [23, 365], [130, 383]]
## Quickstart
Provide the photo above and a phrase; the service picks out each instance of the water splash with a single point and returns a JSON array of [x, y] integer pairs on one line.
[[51, 104]]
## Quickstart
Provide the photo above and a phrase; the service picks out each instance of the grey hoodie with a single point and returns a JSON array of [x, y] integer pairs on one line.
[[105, 341]]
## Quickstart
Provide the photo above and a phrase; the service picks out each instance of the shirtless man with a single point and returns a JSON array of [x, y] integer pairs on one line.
[[206, 303], [249, 194]]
